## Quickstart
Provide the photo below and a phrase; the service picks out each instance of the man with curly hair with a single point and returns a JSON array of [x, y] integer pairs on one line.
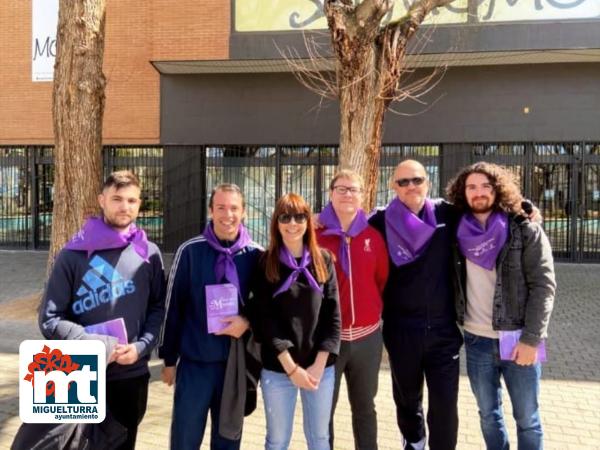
[[505, 289]]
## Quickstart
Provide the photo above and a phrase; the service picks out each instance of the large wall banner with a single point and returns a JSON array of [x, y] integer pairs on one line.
[[289, 15], [44, 19], [513, 10]]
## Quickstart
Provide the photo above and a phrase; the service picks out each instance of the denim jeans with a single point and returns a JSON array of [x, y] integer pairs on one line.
[[280, 394], [484, 368]]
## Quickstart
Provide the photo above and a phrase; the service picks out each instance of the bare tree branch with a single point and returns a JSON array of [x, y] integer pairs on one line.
[[369, 74], [313, 72], [415, 16], [371, 12]]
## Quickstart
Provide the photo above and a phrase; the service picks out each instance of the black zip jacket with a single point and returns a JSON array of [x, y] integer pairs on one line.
[[420, 294]]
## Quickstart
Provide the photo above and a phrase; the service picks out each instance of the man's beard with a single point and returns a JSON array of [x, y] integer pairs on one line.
[[481, 208], [114, 224]]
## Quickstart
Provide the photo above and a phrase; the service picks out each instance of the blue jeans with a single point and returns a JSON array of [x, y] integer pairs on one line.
[[280, 394], [484, 368]]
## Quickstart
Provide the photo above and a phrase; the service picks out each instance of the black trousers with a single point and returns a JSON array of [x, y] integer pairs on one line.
[[359, 363], [415, 355], [126, 400]]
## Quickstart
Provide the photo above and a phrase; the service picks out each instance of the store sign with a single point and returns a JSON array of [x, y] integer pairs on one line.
[[287, 15], [534, 10], [44, 19]]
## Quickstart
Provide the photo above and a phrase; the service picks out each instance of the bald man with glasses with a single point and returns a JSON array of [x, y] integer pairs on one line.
[[419, 320]]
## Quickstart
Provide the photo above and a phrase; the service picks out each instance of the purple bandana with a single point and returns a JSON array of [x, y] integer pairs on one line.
[[287, 259], [407, 235], [330, 221], [225, 267], [97, 235], [481, 246]]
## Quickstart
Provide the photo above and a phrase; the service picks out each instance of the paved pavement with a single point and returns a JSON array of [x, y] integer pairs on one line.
[[570, 392]]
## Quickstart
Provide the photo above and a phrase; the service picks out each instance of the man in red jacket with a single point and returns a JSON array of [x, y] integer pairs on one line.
[[361, 263]]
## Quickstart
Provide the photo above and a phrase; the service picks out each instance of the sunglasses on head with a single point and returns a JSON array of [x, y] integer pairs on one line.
[[417, 181], [287, 218]]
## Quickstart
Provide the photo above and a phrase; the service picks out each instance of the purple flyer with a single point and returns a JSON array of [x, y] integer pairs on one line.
[[509, 340], [221, 301], [115, 328]]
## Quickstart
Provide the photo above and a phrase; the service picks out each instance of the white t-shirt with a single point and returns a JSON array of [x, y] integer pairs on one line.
[[481, 284]]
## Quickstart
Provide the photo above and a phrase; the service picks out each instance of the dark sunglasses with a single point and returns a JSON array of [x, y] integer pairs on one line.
[[417, 181], [287, 218]]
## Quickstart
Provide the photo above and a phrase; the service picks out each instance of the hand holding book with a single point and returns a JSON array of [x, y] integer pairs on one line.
[[221, 306], [511, 349], [115, 328]]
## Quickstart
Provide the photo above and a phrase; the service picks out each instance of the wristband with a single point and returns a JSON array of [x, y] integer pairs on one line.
[[293, 371]]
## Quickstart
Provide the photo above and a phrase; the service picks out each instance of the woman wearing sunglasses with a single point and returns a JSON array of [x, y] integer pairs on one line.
[[297, 318]]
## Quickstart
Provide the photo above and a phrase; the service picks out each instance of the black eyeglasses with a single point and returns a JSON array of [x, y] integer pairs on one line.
[[343, 190], [417, 181], [287, 218]]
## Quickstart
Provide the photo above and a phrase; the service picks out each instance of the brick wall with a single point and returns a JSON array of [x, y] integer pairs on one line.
[[136, 34], [24, 106], [191, 30]]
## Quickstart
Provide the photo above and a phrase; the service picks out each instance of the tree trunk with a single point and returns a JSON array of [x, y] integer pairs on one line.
[[354, 36], [78, 107], [369, 65], [361, 130]]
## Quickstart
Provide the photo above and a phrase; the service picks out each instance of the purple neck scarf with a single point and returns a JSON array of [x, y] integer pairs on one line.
[[287, 259], [225, 267], [407, 235], [330, 221], [95, 235], [481, 246]]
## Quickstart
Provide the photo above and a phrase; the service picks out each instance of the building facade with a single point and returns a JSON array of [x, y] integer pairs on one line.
[[202, 91]]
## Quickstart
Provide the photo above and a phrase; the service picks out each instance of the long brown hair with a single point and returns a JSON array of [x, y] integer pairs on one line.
[[293, 204], [505, 184]]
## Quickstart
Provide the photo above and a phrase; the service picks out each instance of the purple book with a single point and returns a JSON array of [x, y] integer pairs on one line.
[[114, 327], [221, 301], [509, 340]]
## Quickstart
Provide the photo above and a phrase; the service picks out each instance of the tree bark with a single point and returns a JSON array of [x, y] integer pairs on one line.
[[78, 107], [369, 65]]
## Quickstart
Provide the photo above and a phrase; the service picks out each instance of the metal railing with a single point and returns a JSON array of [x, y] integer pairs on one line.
[[26, 191], [562, 179]]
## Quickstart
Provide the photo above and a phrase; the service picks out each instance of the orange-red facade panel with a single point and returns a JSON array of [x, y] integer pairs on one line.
[[136, 34]]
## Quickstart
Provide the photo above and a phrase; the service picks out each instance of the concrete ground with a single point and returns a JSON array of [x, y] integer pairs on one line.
[[570, 392]]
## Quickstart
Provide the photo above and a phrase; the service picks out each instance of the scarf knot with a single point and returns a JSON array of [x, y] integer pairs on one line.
[[407, 234], [482, 245], [225, 266], [96, 235], [288, 260], [331, 222]]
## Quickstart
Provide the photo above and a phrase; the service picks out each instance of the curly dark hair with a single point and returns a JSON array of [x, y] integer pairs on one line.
[[505, 183]]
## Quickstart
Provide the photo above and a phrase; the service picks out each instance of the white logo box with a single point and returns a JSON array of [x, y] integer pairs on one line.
[[83, 402]]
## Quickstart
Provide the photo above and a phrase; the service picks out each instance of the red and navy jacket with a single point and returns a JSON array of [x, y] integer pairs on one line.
[[361, 291]]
